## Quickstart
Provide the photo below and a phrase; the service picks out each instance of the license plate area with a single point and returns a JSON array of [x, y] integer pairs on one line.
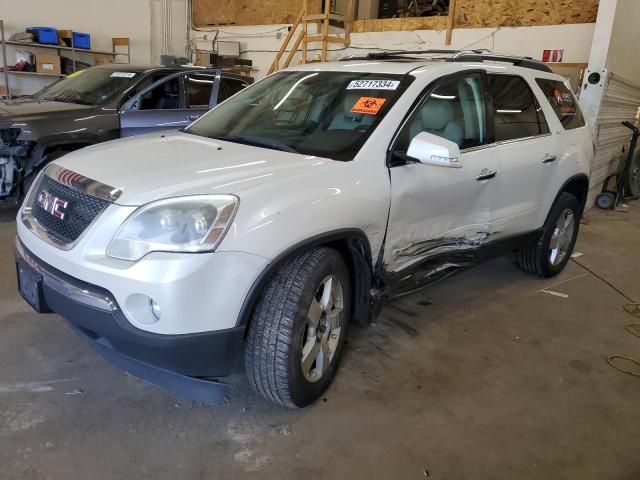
[[30, 287]]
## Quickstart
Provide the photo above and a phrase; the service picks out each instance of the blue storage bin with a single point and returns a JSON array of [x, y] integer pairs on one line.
[[44, 35], [81, 40]]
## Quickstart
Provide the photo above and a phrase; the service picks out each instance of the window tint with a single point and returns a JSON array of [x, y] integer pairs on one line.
[[516, 111], [165, 96], [229, 87], [563, 102], [199, 90], [455, 110]]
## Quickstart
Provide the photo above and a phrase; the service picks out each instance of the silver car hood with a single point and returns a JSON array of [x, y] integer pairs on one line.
[[157, 166]]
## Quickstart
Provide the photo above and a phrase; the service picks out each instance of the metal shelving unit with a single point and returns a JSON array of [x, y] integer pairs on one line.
[[116, 42]]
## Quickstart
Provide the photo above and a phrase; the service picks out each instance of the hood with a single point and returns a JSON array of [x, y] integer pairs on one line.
[[28, 109], [156, 166]]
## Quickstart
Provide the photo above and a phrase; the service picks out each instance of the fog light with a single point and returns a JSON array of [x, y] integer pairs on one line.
[[155, 308]]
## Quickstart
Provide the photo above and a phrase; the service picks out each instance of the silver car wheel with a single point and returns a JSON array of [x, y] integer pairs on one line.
[[323, 329], [562, 237]]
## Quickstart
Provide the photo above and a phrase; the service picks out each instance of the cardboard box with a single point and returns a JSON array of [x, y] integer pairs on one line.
[[46, 63], [65, 33], [104, 60]]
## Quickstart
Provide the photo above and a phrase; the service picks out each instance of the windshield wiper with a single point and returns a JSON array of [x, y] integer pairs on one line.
[[258, 142]]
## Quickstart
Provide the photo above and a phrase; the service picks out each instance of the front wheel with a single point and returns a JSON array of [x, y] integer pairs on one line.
[[298, 328], [547, 255]]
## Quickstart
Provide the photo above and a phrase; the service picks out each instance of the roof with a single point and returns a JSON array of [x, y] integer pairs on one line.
[[171, 68]]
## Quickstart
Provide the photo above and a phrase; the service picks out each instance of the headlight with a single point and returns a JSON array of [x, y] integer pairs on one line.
[[184, 224]]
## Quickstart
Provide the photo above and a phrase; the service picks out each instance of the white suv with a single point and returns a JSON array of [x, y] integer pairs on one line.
[[299, 205]]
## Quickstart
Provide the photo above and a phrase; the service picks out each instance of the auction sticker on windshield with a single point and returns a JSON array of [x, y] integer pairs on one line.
[[368, 105], [373, 85], [123, 74]]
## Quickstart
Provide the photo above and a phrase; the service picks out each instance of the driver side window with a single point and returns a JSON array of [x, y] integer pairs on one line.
[[455, 111]]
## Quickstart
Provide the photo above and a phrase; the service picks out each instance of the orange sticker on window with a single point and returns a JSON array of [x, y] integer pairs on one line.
[[368, 105]]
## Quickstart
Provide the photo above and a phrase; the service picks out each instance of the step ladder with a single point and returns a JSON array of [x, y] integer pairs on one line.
[[320, 35]]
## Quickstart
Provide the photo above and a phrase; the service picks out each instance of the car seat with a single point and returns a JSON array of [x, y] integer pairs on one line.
[[170, 97], [436, 117], [347, 120]]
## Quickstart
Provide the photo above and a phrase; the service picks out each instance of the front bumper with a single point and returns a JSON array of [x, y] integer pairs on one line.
[[182, 364]]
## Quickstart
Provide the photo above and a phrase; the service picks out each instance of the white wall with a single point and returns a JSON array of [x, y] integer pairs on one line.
[[102, 19], [260, 42], [625, 40]]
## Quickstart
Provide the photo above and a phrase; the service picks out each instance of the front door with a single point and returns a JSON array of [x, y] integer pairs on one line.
[[436, 211], [170, 104]]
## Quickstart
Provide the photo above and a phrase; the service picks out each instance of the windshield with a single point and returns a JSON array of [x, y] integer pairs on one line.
[[93, 86], [326, 114]]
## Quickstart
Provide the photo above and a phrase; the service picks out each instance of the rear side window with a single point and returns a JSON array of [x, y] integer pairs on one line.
[[229, 87], [199, 89], [516, 112], [563, 102]]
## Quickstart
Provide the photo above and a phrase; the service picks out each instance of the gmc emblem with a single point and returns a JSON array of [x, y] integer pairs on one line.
[[53, 205]]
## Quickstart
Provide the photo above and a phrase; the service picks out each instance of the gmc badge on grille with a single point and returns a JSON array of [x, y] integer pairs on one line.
[[53, 205]]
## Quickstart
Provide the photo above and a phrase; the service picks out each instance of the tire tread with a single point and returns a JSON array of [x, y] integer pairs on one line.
[[271, 326]]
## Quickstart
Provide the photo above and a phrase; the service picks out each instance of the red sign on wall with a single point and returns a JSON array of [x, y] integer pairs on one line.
[[552, 56]]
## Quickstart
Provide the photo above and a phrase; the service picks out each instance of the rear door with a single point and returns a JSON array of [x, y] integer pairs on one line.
[[229, 87], [524, 146], [169, 104]]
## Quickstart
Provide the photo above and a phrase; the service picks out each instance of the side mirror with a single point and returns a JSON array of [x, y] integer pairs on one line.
[[433, 150]]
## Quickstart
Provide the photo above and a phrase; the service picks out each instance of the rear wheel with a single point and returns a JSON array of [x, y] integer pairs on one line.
[[547, 255], [298, 328]]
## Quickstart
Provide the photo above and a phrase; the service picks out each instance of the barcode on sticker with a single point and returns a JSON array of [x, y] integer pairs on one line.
[[123, 74], [373, 85]]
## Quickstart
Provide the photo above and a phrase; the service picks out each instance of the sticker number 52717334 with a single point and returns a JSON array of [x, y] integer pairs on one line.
[[373, 85]]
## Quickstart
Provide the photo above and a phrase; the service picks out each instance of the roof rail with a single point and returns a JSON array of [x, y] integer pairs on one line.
[[525, 62], [408, 54]]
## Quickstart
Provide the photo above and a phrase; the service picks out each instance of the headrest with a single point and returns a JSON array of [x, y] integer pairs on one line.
[[436, 114], [171, 87]]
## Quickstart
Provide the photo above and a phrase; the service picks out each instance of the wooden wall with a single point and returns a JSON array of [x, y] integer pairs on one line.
[[248, 12], [521, 13], [469, 14]]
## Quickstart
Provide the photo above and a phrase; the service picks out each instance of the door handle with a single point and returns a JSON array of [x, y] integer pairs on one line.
[[486, 174], [549, 158]]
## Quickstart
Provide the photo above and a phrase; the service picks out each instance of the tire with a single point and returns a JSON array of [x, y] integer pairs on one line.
[[605, 200], [538, 256], [279, 327], [632, 181]]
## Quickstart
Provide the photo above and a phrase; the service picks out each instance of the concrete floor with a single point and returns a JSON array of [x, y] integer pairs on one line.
[[479, 377]]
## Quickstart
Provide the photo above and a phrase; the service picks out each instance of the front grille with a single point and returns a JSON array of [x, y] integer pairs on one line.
[[81, 210]]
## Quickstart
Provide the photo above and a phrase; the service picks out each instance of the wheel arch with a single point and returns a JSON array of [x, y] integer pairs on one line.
[[578, 186], [355, 248]]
